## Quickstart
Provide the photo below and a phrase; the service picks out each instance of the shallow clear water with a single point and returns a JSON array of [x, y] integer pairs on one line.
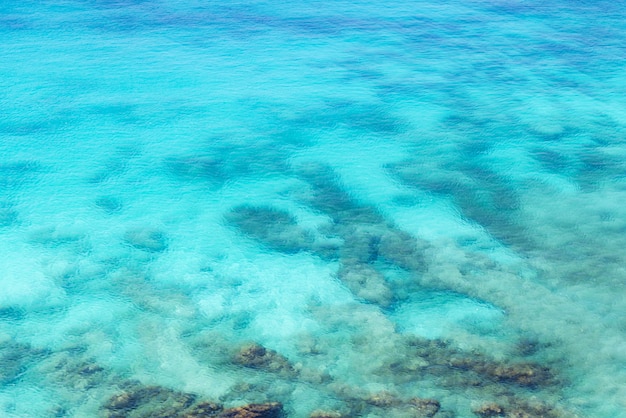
[[397, 200]]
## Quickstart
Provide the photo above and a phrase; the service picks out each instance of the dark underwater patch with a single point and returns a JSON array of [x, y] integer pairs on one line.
[[8, 216], [14, 175], [109, 204], [275, 228], [147, 239]]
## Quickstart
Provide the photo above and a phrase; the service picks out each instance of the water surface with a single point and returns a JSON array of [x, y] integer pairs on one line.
[[395, 209]]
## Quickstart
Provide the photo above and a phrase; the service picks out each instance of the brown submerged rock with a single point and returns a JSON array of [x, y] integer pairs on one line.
[[490, 410], [255, 356], [516, 408], [123, 401], [159, 402], [522, 409], [203, 409], [521, 374], [402, 249], [262, 410], [425, 407], [392, 405], [147, 401], [440, 358], [383, 400]]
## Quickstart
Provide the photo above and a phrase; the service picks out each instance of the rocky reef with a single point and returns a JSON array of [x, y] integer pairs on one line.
[[483, 196], [440, 358], [138, 401], [366, 283], [514, 408], [276, 229], [370, 248], [358, 363], [15, 358], [255, 356]]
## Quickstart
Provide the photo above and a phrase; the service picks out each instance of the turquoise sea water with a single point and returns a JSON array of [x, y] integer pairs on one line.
[[398, 201]]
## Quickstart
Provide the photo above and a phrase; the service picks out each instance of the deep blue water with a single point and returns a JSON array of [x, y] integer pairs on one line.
[[398, 200]]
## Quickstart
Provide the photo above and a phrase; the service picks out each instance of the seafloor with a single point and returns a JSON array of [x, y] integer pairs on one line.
[[312, 209]]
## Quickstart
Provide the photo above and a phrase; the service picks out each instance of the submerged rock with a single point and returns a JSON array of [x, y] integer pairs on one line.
[[511, 407], [489, 410], [395, 406], [124, 401], [76, 373], [325, 193], [380, 241], [148, 401], [256, 356], [383, 400], [402, 249], [527, 374], [482, 195], [424, 407], [517, 408], [262, 410], [527, 347], [276, 229], [367, 236], [16, 358], [361, 242], [521, 374], [366, 283], [203, 409], [443, 360]]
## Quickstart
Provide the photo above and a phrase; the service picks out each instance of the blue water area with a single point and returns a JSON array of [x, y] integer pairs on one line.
[[312, 209]]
